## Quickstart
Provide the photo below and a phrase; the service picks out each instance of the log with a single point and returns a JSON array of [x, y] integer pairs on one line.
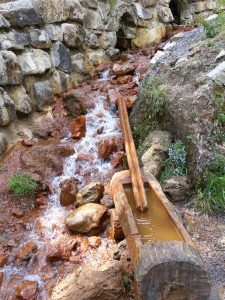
[[135, 172], [116, 229]]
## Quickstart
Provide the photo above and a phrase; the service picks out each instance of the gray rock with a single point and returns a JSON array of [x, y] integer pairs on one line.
[[20, 13], [177, 188], [107, 201], [85, 218], [96, 57], [39, 39], [217, 292], [52, 11], [61, 57], [108, 39], [113, 53], [91, 41], [77, 12], [142, 13], [159, 142], [76, 102], [7, 108], [61, 82], [177, 36], [44, 94], [13, 40], [165, 15], [23, 104], [104, 10], [92, 3], [73, 35], [218, 74], [221, 55], [55, 32], [93, 20], [10, 69], [78, 65], [111, 24], [148, 3], [3, 22], [34, 62], [3, 143], [91, 193]]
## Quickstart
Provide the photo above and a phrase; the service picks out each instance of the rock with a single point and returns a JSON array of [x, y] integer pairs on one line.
[[95, 58], [94, 241], [20, 13], [152, 159], [177, 37], [46, 159], [60, 251], [156, 57], [10, 69], [78, 65], [44, 94], [27, 251], [3, 143], [218, 74], [17, 212], [52, 11], [41, 202], [165, 15], [27, 290], [146, 36], [177, 188], [124, 79], [114, 54], [118, 158], [107, 201], [68, 192], [110, 283], [78, 127], [3, 260], [61, 57], [148, 3], [1, 278], [77, 102], [41, 133], [93, 20], [39, 39], [23, 104], [3, 22], [107, 39], [217, 292], [221, 242], [13, 40], [122, 69], [7, 108], [77, 12], [85, 218], [91, 193], [61, 82], [73, 35], [220, 55], [34, 62], [91, 41], [109, 145], [55, 32], [142, 13], [113, 96], [26, 143]]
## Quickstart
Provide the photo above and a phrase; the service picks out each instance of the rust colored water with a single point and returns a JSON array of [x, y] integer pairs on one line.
[[153, 225]]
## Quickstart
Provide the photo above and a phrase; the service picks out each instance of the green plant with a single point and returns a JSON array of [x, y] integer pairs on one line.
[[221, 118], [219, 100], [175, 164], [190, 138], [211, 195], [210, 44], [154, 91], [112, 4], [23, 185], [212, 27]]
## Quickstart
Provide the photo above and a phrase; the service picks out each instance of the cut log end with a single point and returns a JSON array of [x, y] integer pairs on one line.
[[171, 271]]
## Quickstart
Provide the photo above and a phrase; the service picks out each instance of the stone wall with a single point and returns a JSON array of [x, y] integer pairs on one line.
[[48, 47]]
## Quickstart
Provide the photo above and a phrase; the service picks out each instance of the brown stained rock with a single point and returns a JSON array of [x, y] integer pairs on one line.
[[107, 201], [85, 218], [42, 133], [117, 158], [113, 96], [17, 212], [68, 192], [1, 278], [26, 143], [27, 251], [124, 79], [41, 201], [78, 127], [122, 69], [27, 290], [85, 156], [46, 158], [94, 241], [3, 260], [109, 145], [91, 193], [60, 251]]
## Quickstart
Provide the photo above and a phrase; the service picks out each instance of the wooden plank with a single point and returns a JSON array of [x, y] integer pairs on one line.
[[135, 172], [117, 231]]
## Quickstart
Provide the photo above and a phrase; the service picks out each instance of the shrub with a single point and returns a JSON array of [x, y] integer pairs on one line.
[[23, 185], [211, 196], [175, 164]]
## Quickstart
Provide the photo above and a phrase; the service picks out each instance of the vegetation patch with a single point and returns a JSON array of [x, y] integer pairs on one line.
[[23, 185]]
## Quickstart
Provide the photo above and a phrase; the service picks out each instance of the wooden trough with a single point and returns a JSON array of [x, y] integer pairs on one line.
[[166, 261]]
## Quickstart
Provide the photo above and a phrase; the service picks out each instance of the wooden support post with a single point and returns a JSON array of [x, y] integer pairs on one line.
[[135, 172], [117, 231]]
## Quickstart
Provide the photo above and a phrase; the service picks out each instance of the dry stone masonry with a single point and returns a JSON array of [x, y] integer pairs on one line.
[[48, 47]]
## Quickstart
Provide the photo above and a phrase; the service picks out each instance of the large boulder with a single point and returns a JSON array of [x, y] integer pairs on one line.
[[34, 61], [91, 193], [7, 108], [85, 218], [146, 36], [46, 159], [10, 69]]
